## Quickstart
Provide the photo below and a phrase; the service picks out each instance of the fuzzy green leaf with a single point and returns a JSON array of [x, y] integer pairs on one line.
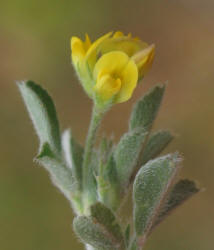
[[104, 216], [108, 186], [60, 174], [105, 150], [43, 114], [94, 234], [145, 110], [150, 189], [182, 191], [110, 171], [155, 145], [127, 153], [73, 153]]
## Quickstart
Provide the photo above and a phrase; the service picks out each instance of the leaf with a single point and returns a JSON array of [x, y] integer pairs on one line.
[[110, 171], [101, 230], [155, 145], [145, 110], [73, 153], [150, 188], [105, 150], [104, 216], [182, 191], [108, 186], [43, 114], [60, 174], [127, 153], [92, 233]]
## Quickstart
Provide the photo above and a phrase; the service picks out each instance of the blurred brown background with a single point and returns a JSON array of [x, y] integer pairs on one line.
[[34, 44]]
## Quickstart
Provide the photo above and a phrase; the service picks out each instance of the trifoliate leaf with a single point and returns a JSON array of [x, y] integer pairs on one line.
[[155, 145], [43, 114], [145, 110], [150, 188]]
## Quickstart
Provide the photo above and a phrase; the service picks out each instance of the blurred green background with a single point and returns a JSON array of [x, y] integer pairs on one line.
[[34, 44]]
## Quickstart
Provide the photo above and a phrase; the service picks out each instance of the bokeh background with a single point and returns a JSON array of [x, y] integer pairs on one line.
[[34, 44]]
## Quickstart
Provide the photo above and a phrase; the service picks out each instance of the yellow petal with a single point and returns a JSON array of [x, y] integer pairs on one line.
[[106, 87], [117, 64], [128, 45], [121, 34], [87, 43], [118, 34], [111, 63], [77, 49], [91, 54], [144, 59], [129, 78]]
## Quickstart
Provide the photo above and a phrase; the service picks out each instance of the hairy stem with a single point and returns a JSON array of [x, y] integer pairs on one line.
[[89, 148]]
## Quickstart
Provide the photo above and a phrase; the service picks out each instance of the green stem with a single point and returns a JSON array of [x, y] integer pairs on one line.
[[89, 147]]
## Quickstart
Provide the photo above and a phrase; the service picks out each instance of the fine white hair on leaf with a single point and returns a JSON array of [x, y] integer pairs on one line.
[[66, 137]]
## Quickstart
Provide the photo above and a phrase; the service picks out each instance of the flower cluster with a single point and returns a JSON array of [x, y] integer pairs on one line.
[[110, 68]]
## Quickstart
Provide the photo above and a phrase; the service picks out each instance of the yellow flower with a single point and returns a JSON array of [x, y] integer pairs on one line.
[[116, 75], [111, 67]]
